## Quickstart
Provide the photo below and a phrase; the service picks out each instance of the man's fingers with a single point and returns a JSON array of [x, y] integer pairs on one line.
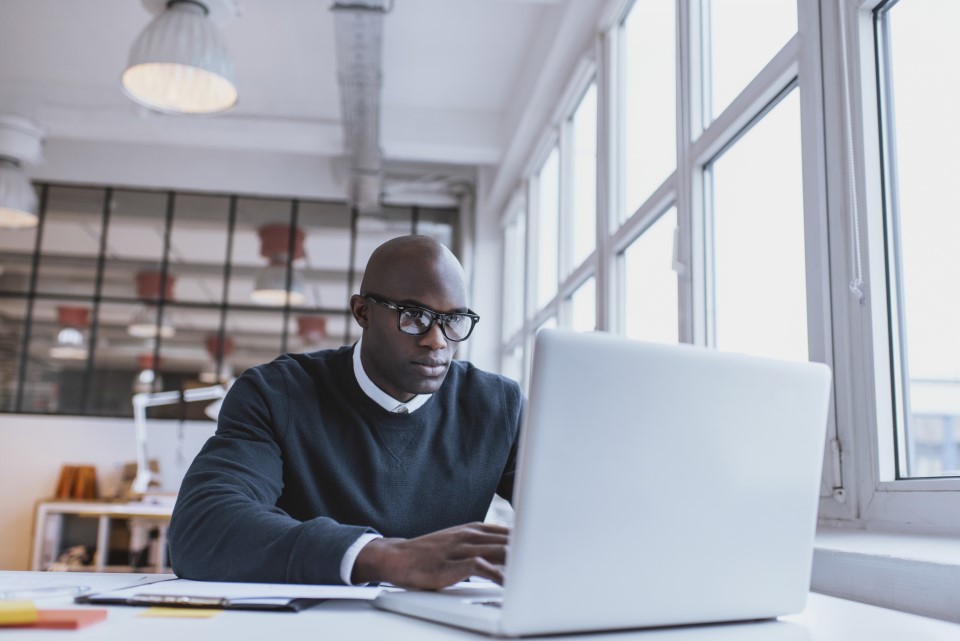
[[496, 554], [480, 529], [493, 528], [484, 569], [482, 533]]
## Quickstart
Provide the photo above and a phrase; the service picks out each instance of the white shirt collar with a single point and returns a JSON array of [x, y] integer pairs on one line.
[[377, 395]]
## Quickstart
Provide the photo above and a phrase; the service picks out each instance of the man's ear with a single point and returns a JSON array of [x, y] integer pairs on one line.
[[360, 310]]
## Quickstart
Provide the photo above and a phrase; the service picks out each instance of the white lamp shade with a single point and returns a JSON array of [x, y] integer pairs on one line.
[[70, 345], [210, 375], [144, 324], [18, 200], [270, 287], [146, 381], [179, 64]]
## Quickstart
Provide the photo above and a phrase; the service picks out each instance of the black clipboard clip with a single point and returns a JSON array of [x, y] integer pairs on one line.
[[268, 604]]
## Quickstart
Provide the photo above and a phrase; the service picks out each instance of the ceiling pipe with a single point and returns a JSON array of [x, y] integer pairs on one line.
[[359, 45]]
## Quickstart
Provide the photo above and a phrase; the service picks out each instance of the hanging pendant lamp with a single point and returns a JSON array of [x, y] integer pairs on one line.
[[151, 287], [179, 63], [270, 285], [21, 142], [71, 341]]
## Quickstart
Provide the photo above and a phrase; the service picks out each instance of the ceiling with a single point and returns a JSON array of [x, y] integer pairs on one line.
[[451, 72], [458, 76]]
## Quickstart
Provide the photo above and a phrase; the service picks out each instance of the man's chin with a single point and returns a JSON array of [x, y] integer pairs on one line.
[[427, 384]]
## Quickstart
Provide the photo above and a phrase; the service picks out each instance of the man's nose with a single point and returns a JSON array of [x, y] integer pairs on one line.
[[434, 338]]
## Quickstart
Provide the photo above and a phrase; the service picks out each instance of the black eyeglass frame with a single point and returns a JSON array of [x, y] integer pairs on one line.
[[433, 315]]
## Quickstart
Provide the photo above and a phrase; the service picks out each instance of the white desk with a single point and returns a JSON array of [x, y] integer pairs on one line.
[[825, 619]]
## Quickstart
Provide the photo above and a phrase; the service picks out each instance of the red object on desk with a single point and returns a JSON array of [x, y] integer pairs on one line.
[[64, 619]]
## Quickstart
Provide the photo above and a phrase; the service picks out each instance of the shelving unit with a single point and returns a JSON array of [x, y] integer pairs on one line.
[[59, 525]]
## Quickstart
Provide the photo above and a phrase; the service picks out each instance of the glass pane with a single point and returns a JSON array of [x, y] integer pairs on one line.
[[135, 242], [16, 257], [198, 247], [649, 100], [42, 381], [512, 366], [59, 348], [548, 220], [189, 357], [326, 229], [584, 183], [759, 276], [583, 307], [923, 51], [72, 228], [257, 337], [513, 274], [12, 313], [737, 56], [440, 224], [311, 332], [651, 304], [117, 362], [261, 244]]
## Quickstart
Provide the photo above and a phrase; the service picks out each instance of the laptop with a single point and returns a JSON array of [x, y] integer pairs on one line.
[[657, 485]]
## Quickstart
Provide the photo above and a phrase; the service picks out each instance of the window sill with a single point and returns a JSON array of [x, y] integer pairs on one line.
[[908, 572]]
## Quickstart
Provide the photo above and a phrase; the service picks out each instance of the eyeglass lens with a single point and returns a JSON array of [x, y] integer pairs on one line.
[[415, 321]]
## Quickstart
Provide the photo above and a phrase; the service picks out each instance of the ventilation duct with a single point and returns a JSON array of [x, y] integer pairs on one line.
[[359, 42]]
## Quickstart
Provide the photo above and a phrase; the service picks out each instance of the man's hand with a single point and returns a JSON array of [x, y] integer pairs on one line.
[[434, 561]]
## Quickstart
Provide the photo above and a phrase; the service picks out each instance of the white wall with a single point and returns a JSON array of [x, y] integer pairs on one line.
[[158, 166], [33, 448]]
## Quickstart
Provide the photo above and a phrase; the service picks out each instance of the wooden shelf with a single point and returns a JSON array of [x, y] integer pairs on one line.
[[59, 525]]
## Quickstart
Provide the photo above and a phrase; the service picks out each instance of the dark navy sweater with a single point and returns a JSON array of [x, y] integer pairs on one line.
[[303, 462]]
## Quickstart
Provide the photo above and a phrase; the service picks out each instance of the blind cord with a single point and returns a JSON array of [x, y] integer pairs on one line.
[[856, 284]]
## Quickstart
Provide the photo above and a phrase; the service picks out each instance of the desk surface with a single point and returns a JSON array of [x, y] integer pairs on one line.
[[824, 619]]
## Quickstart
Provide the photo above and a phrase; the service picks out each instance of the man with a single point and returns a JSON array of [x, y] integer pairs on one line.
[[371, 463]]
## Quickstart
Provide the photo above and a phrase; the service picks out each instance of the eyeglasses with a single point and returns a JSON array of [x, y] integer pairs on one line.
[[416, 321]]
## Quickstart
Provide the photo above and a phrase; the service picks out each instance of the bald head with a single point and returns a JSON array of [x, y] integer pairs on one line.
[[414, 262], [416, 272]]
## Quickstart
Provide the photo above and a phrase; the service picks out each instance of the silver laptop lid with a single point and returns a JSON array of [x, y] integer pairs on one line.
[[662, 485]]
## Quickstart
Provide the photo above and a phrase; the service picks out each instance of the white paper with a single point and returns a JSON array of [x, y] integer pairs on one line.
[[38, 585], [246, 592]]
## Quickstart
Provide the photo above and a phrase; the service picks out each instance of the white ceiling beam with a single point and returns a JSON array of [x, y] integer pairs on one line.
[[441, 135], [264, 172]]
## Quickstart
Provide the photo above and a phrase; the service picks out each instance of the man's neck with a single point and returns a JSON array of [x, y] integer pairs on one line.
[[378, 395]]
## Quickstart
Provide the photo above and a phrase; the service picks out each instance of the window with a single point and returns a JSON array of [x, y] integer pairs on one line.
[[921, 136], [547, 225], [583, 307], [778, 180], [701, 229], [758, 270], [124, 290], [736, 53], [650, 309], [649, 85], [515, 241], [583, 142]]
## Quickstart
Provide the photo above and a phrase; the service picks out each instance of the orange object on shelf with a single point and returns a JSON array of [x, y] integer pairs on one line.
[[77, 482]]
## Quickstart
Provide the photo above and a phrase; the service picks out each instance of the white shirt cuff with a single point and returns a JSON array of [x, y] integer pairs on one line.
[[350, 556]]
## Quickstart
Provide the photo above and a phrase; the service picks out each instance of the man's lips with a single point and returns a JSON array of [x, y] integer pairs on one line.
[[430, 368]]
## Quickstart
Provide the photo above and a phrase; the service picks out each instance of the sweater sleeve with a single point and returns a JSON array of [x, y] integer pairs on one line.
[[513, 404], [226, 525]]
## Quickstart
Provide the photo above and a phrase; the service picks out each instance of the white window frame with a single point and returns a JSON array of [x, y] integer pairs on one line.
[[863, 372]]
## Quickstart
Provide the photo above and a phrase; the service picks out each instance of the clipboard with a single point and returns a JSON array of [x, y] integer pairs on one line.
[[276, 597]]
